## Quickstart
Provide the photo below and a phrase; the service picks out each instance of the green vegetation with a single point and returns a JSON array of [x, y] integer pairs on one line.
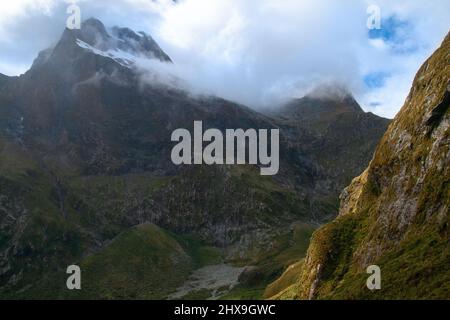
[[287, 251], [287, 279], [419, 269], [241, 292], [201, 254], [395, 215], [142, 263]]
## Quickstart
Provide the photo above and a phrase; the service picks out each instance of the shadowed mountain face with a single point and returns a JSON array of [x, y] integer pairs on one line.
[[396, 214], [335, 133], [85, 158]]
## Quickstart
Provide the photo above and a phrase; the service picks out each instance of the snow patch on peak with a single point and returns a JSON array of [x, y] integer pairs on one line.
[[123, 58]]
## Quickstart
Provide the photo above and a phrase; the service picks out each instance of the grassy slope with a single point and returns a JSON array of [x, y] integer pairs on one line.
[[377, 224], [142, 263], [96, 208], [270, 264], [417, 268]]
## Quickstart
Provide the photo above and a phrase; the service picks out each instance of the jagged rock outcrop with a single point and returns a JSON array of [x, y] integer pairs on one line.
[[396, 214]]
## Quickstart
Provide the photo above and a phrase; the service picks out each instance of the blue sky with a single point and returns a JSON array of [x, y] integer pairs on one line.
[[397, 33], [398, 36], [257, 52]]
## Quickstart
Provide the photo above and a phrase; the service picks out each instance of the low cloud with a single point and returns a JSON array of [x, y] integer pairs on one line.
[[261, 52]]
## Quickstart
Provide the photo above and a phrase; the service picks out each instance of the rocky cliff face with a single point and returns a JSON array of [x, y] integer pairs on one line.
[[85, 156], [396, 214]]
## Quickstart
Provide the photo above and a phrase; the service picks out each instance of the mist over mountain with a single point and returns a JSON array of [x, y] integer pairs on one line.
[[226, 51], [86, 175], [395, 215]]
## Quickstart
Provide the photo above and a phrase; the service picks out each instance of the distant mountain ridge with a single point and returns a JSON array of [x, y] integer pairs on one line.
[[85, 159], [395, 215], [335, 129]]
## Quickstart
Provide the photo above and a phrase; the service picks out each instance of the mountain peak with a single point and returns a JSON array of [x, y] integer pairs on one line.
[[324, 101], [331, 91], [122, 45], [139, 43], [93, 22], [93, 31]]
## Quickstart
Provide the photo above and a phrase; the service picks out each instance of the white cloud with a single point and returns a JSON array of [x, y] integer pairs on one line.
[[256, 52], [13, 69], [18, 9]]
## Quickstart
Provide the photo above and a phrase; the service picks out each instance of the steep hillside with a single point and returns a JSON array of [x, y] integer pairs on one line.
[[333, 129], [396, 214], [85, 142], [143, 262]]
